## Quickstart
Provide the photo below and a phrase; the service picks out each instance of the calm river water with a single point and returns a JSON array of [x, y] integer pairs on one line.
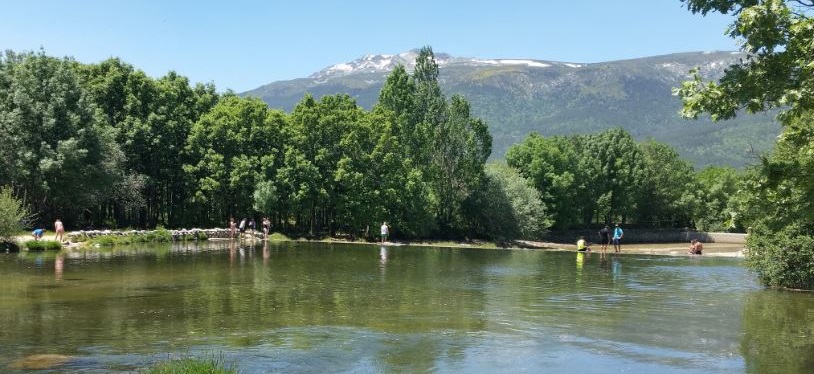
[[304, 307]]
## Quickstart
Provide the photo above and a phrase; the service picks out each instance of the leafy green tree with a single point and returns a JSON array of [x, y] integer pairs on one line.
[[551, 165], [13, 214], [665, 196], [231, 144], [507, 207], [716, 210], [461, 144], [779, 73], [126, 97], [57, 153]]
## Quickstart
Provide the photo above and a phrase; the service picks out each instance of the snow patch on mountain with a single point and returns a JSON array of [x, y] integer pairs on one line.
[[530, 63]]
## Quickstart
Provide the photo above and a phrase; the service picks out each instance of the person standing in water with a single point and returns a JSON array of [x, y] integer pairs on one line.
[[385, 231], [266, 226], [232, 227], [617, 238], [59, 229], [604, 237]]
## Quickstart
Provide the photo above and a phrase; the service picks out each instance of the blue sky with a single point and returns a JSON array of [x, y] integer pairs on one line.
[[241, 45]]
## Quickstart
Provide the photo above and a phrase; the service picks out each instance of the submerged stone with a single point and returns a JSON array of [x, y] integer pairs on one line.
[[40, 361]]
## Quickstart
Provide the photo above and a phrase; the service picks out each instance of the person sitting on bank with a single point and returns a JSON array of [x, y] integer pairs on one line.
[[583, 245], [696, 247]]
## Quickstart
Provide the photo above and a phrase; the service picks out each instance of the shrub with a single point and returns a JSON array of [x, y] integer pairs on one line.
[[104, 240], [13, 214], [42, 245], [782, 259], [278, 236], [162, 235], [191, 366]]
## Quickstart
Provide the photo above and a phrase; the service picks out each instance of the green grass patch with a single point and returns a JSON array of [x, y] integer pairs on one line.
[[191, 366], [278, 236], [43, 245]]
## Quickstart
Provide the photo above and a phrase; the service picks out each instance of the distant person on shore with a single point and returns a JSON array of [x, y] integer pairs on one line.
[[59, 229], [604, 237], [266, 226], [583, 245], [251, 227], [232, 227], [38, 233], [242, 227], [385, 231], [617, 238], [696, 247]]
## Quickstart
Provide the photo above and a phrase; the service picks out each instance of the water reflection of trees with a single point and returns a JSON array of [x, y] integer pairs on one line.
[[778, 332], [128, 298]]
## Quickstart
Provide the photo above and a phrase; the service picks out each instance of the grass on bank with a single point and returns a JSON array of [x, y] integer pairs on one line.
[[158, 236], [191, 366], [42, 245]]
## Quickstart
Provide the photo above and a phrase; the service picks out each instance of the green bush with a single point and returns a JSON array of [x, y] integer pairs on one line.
[[104, 240], [12, 214], [191, 366], [278, 236], [43, 245], [782, 259], [202, 236], [162, 235]]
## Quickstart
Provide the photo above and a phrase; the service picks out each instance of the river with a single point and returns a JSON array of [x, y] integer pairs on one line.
[[341, 308]]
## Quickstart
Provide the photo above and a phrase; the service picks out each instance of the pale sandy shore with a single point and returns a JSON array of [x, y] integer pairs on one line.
[[671, 249]]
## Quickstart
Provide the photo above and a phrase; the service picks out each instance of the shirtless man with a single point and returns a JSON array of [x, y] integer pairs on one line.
[[696, 248]]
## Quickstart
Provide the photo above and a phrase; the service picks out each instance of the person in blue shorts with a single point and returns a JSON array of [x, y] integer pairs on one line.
[[617, 238], [38, 233]]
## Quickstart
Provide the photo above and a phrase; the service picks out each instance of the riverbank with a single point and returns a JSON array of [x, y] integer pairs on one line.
[[667, 249]]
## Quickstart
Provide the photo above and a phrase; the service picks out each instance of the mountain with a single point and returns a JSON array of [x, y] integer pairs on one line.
[[519, 96]]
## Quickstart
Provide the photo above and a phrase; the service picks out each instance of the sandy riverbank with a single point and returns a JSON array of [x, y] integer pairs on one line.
[[669, 249]]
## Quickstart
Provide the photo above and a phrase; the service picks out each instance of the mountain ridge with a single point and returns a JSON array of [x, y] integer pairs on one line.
[[519, 96]]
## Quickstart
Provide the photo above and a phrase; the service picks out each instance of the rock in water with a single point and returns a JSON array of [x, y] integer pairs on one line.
[[41, 361]]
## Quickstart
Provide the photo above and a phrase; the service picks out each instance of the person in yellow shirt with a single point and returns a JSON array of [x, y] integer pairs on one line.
[[583, 245]]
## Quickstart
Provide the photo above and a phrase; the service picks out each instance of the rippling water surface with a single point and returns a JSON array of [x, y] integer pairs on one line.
[[299, 307]]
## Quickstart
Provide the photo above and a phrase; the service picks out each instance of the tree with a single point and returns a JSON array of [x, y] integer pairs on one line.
[[507, 207], [779, 73], [57, 152], [550, 164], [13, 215], [779, 70], [231, 146], [718, 189], [664, 196]]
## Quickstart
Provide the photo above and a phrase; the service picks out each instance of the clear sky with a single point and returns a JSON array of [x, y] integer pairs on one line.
[[241, 45]]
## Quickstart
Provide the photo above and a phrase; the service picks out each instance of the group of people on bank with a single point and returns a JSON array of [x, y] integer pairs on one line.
[[248, 226], [606, 236], [59, 230]]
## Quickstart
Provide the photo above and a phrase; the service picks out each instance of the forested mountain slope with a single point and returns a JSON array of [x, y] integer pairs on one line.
[[518, 96]]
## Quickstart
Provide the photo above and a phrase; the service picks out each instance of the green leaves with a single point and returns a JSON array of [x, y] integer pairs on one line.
[[779, 71]]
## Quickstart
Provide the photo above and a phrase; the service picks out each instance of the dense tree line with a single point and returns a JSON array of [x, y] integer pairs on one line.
[[588, 179], [104, 145]]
